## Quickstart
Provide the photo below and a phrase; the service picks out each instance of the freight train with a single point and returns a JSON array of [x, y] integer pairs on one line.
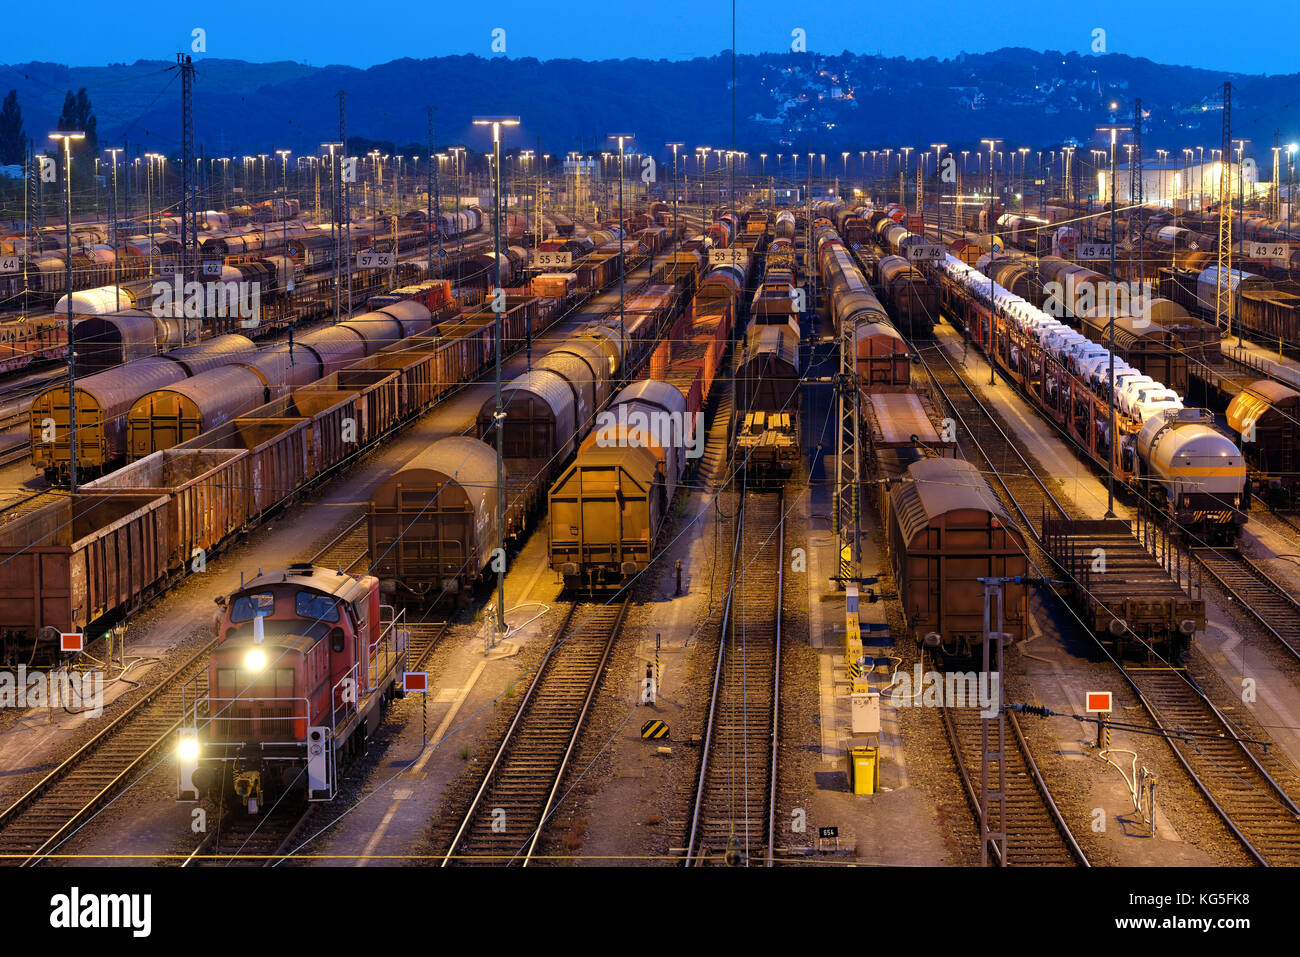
[[433, 525], [68, 562], [143, 406], [1173, 457], [608, 508]]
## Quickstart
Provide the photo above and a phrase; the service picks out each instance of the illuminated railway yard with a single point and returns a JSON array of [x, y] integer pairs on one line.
[[451, 484]]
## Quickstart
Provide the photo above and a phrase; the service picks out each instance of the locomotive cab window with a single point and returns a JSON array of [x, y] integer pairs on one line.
[[317, 607], [246, 607]]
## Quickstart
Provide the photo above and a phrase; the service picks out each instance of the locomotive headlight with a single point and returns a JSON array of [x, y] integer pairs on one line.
[[255, 660], [188, 749]]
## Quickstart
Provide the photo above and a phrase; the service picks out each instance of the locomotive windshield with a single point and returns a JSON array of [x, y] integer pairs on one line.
[[318, 607], [248, 606]]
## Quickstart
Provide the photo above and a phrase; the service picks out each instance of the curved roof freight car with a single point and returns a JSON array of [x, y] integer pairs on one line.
[[767, 372], [432, 524], [604, 516], [104, 399], [654, 413], [167, 417], [1266, 414], [883, 361], [947, 529], [584, 365], [540, 417], [116, 338], [914, 298]]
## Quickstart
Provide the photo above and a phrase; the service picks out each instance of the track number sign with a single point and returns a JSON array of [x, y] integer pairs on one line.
[[374, 260]]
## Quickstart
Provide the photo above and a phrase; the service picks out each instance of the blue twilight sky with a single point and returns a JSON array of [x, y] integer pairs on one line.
[[323, 32]]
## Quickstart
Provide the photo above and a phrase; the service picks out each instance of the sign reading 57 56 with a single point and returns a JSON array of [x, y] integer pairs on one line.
[[374, 260]]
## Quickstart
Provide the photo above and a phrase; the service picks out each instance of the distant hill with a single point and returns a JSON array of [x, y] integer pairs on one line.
[[784, 103]]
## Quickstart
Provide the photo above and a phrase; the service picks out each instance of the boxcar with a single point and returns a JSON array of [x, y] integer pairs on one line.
[[605, 512], [946, 530], [1266, 417], [432, 524], [68, 564]]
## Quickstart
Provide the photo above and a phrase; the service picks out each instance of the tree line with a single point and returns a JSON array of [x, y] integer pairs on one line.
[[77, 114]]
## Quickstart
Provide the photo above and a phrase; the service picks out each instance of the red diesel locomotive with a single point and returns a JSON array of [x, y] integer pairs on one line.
[[305, 661]]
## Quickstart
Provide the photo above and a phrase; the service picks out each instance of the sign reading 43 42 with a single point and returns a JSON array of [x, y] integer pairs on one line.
[[1280, 251]]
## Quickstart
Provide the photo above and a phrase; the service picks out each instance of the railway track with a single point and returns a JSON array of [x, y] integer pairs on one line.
[[241, 841], [1256, 593], [1023, 491], [1245, 795], [35, 825], [1037, 834], [508, 813], [347, 550], [1228, 773], [733, 813]]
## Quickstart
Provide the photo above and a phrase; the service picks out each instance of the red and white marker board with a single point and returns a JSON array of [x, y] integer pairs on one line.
[[72, 641], [413, 681], [1099, 701]]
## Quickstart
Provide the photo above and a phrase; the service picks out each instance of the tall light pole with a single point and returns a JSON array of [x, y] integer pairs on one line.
[[334, 215], [1114, 130], [990, 342], [623, 139], [1290, 154], [458, 154], [938, 161], [906, 152], [1024, 155], [67, 138], [1200, 170], [112, 225], [496, 122], [284, 179], [676, 229], [148, 196]]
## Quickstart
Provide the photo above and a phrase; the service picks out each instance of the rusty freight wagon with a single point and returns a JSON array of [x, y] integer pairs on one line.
[[209, 497], [605, 512], [75, 560], [947, 529], [432, 524]]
